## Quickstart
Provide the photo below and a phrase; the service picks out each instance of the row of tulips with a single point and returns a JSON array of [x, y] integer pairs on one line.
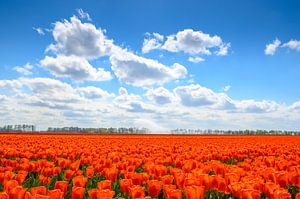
[[191, 167]]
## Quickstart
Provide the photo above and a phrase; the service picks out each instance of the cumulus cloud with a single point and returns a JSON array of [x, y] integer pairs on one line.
[[76, 43], [10, 84], [49, 89], [293, 45], [131, 102], [188, 41], [55, 94], [152, 41], [272, 47], [253, 106], [91, 92], [24, 70], [295, 106], [192, 42], [46, 98], [195, 59], [3, 98], [140, 71], [223, 49], [77, 68], [80, 39], [160, 95], [195, 95]]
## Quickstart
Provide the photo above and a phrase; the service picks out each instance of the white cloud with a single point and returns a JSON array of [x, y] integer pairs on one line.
[[77, 42], [77, 68], [91, 92], [80, 39], [226, 88], [45, 98], [48, 88], [295, 106], [252, 106], [195, 95], [195, 42], [40, 31], [293, 45], [24, 70], [223, 49], [10, 84], [3, 98], [152, 42], [131, 103], [195, 59], [160, 95], [140, 71], [272, 47], [54, 94], [83, 15]]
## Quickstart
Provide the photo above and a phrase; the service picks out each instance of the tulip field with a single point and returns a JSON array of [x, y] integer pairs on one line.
[[93, 166]]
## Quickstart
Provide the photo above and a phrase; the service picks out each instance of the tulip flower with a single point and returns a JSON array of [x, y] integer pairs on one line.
[[154, 187], [136, 191], [125, 184], [77, 192], [105, 184]]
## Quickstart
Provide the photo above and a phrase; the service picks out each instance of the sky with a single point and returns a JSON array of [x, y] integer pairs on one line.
[[155, 64]]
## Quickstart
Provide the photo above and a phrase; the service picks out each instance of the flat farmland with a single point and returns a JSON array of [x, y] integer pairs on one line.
[[148, 166]]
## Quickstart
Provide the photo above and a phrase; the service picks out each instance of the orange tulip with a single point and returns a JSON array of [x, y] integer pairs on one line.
[[281, 194], [48, 172], [39, 196], [8, 185], [89, 172], [62, 185], [250, 194], [38, 190], [111, 174], [75, 165], [79, 181], [136, 191], [269, 189], [179, 180], [154, 187], [27, 195], [175, 194], [93, 193], [194, 192], [1, 177], [105, 193], [167, 179], [55, 194], [77, 192], [282, 179], [56, 171], [68, 174], [17, 192], [125, 184], [105, 184], [168, 188], [20, 178]]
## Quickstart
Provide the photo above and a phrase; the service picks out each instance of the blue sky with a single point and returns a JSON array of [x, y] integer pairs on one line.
[[163, 65]]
